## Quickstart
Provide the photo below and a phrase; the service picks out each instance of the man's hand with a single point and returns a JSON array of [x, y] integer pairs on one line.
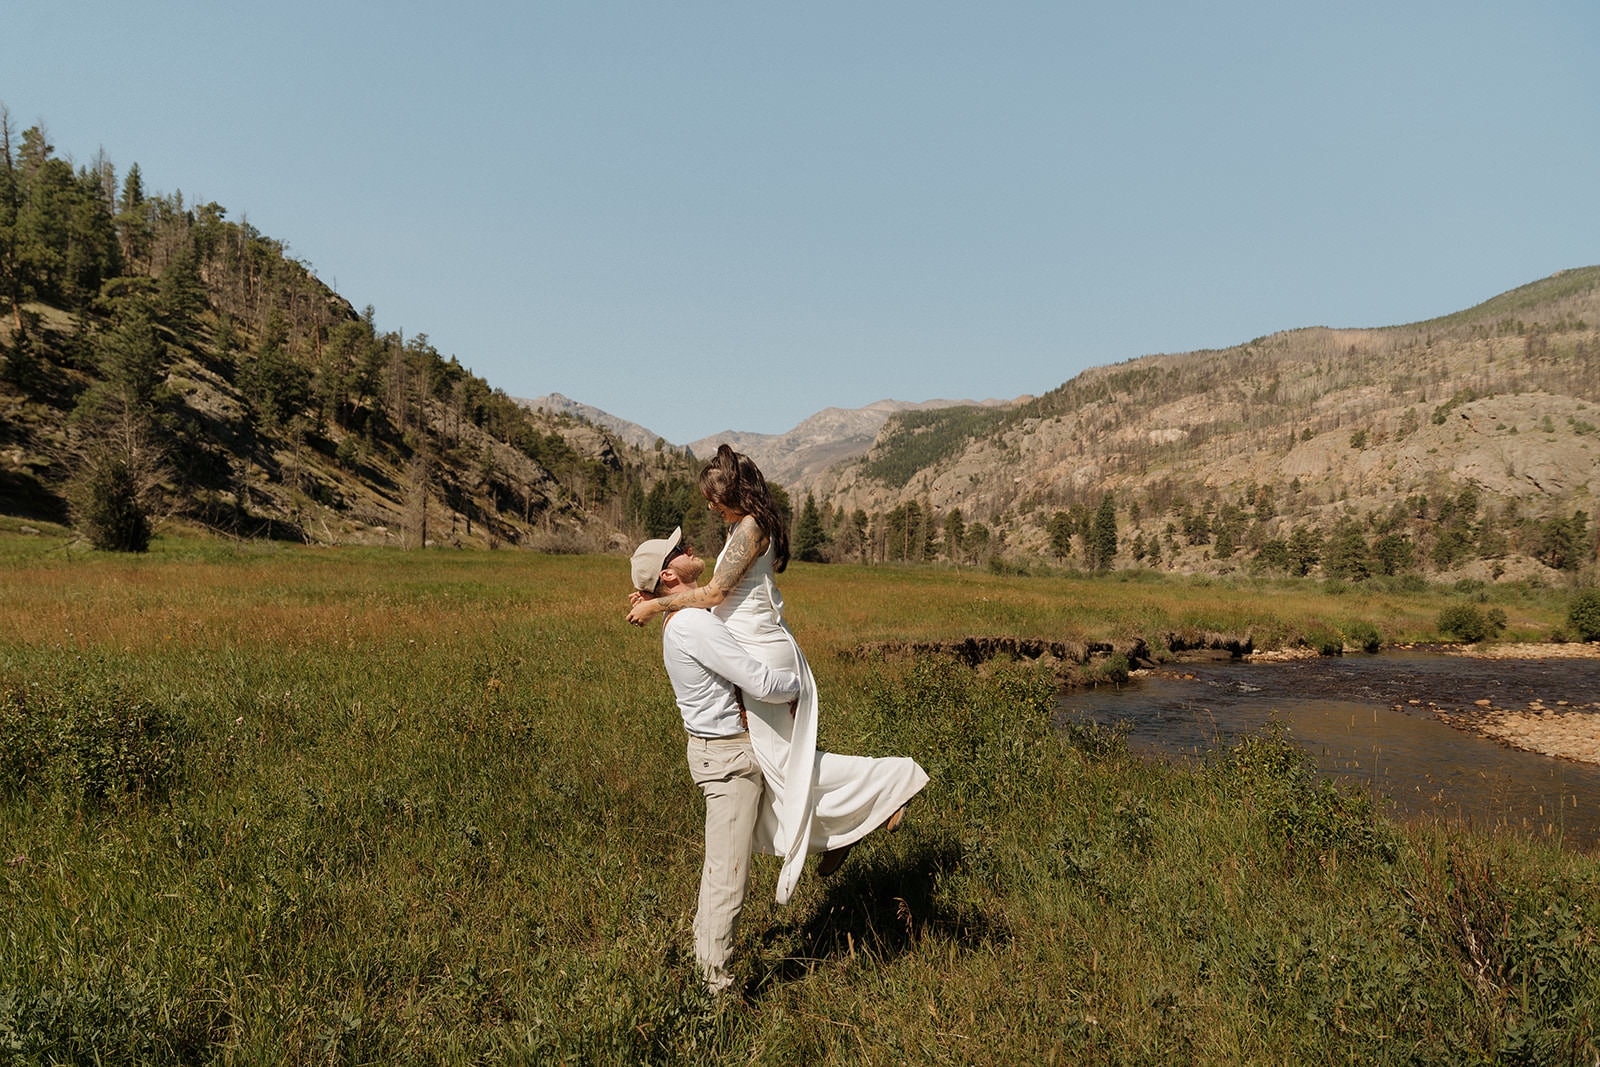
[[642, 608]]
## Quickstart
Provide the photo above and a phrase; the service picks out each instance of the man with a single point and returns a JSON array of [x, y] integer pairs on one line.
[[708, 670]]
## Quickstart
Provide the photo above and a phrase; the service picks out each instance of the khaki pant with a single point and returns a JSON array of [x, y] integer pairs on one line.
[[725, 769]]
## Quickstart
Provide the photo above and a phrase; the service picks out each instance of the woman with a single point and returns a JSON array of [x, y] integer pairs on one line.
[[815, 801]]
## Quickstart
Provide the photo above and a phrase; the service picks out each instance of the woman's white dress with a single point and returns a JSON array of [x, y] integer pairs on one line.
[[815, 801]]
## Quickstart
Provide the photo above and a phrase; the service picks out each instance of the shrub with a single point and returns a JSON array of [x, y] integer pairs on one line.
[[1364, 635], [1097, 743], [1112, 670], [109, 509], [1325, 640], [1468, 622], [985, 736], [1309, 816], [349, 452], [1584, 615], [26, 745], [117, 748]]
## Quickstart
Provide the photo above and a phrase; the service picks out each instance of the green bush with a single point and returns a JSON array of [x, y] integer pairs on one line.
[[1308, 815], [1112, 670], [1584, 614], [1325, 640], [1470, 623], [1363, 635], [984, 737], [110, 511], [1097, 743]]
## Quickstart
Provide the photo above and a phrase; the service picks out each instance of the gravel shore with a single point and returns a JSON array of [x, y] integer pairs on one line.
[[1564, 729]]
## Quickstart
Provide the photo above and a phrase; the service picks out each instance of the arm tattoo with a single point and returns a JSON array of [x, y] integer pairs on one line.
[[745, 545]]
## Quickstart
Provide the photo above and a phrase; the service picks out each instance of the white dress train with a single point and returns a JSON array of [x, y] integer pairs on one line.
[[815, 801]]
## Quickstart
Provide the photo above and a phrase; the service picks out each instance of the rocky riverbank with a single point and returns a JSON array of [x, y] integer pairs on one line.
[[1564, 729]]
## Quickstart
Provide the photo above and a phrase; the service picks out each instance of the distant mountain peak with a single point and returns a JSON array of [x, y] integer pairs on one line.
[[557, 404], [833, 435]]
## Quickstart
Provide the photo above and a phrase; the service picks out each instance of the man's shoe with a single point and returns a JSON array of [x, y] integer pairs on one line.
[[896, 819], [832, 859]]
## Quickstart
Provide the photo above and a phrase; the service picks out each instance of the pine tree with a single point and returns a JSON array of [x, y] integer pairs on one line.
[[1103, 537], [181, 297], [1393, 553], [810, 539], [1274, 555], [10, 206], [277, 383], [108, 507], [1060, 530], [1562, 541], [954, 534], [121, 456], [1348, 556], [133, 222], [1304, 550], [1223, 546], [976, 540], [134, 360]]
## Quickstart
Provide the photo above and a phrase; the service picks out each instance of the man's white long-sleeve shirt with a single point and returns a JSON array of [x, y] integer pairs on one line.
[[705, 663]]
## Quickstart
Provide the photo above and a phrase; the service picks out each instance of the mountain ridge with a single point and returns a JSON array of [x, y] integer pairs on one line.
[[831, 436], [1335, 423]]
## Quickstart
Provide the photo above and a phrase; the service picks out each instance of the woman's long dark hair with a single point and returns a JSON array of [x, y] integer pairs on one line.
[[733, 480]]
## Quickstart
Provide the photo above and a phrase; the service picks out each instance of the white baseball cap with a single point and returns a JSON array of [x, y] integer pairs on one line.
[[650, 558]]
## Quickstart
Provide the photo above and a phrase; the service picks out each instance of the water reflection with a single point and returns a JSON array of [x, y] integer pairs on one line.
[[1342, 711]]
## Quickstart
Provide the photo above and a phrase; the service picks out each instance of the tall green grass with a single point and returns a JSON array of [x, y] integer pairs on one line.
[[264, 805]]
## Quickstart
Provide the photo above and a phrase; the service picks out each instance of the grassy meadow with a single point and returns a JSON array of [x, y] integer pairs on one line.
[[266, 803]]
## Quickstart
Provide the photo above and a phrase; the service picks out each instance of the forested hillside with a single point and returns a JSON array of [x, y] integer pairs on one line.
[[1463, 445], [164, 365]]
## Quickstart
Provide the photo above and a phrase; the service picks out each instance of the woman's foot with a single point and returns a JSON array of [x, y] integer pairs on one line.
[[832, 859]]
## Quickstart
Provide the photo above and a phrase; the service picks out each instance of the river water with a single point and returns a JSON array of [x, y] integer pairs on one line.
[[1342, 710]]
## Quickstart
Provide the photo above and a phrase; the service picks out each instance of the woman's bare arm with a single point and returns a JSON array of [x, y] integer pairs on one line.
[[746, 542]]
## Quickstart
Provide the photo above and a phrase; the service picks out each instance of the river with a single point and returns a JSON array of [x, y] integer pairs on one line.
[[1356, 716]]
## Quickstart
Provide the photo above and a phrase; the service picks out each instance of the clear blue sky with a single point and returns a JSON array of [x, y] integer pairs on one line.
[[713, 215]]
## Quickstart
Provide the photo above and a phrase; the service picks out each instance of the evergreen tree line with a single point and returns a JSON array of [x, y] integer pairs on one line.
[[1441, 531], [1437, 532], [908, 533]]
